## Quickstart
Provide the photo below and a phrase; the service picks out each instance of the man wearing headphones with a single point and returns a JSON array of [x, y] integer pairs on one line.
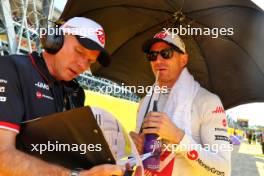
[[38, 85]]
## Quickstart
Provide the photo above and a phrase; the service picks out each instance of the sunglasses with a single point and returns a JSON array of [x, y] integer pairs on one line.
[[166, 53]]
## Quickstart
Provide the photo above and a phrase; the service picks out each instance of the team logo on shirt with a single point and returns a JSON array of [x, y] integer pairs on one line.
[[224, 123], [210, 169], [40, 95], [3, 81], [221, 129], [192, 155], [2, 89], [219, 110], [42, 85], [222, 138], [3, 99]]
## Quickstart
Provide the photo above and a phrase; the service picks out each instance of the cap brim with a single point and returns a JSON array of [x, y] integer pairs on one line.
[[148, 43], [104, 58]]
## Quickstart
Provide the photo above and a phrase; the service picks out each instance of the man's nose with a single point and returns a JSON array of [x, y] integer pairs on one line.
[[159, 59]]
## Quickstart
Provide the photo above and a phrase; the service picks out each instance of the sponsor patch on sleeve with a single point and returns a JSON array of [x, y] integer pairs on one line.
[[2, 89], [222, 138], [218, 110], [3, 99]]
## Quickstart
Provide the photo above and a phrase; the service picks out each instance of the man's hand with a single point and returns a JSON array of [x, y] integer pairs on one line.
[[160, 124], [104, 170], [138, 140], [11, 162], [11, 159]]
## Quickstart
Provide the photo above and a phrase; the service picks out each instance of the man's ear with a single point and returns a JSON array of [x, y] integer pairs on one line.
[[184, 60]]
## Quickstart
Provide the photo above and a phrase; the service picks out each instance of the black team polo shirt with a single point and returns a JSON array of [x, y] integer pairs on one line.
[[28, 91]]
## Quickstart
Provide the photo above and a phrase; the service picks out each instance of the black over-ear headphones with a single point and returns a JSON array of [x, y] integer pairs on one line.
[[53, 40]]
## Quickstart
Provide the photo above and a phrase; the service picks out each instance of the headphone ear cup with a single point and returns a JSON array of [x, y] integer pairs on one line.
[[52, 43]]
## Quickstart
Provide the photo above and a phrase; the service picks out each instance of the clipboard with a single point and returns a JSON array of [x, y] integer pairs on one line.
[[76, 127]]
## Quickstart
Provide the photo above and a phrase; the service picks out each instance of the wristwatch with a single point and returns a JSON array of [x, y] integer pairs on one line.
[[75, 173]]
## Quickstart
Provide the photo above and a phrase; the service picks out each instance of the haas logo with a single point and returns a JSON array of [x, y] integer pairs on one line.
[[161, 35], [192, 155], [100, 35], [218, 110]]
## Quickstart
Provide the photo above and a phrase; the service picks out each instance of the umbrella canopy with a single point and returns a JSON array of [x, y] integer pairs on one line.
[[232, 66]]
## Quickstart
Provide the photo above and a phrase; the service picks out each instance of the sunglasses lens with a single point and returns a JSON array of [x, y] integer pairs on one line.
[[166, 53], [152, 56]]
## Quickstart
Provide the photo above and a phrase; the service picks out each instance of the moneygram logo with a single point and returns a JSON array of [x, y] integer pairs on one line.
[[192, 155]]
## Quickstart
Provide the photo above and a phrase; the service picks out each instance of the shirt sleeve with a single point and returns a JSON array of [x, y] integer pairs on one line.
[[213, 156], [11, 104]]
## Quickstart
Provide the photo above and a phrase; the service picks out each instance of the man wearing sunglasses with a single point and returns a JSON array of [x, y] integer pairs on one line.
[[190, 120]]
